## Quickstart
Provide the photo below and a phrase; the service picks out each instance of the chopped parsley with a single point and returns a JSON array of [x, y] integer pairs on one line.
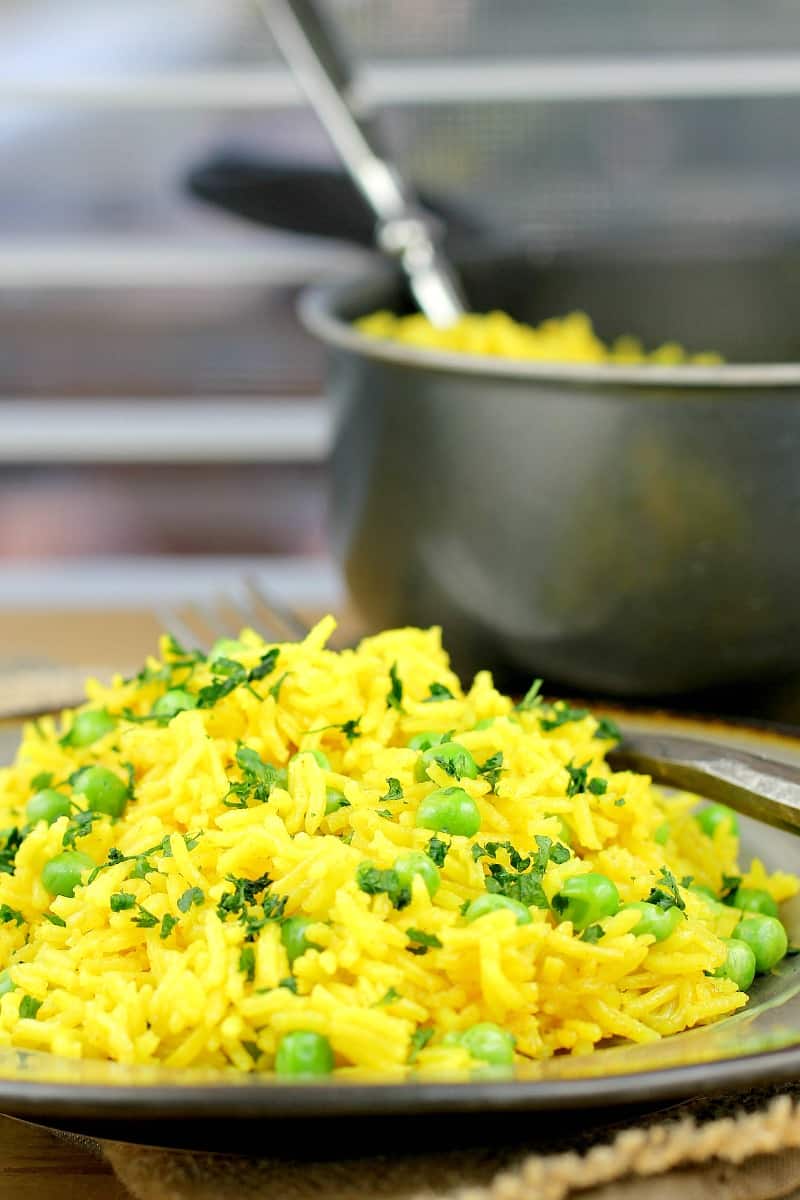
[[422, 942], [666, 894], [598, 786], [168, 923], [619, 802], [258, 780], [253, 904], [577, 777], [394, 792], [8, 914], [350, 729], [119, 901], [10, 842], [562, 714], [245, 891], [729, 885], [436, 850], [522, 879], [144, 918], [532, 698], [192, 895], [593, 934], [265, 665], [374, 882], [252, 1049], [80, 825], [418, 1041], [275, 690], [388, 998], [227, 676], [247, 963], [54, 919], [394, 697], [492, 769], [607, 730], [438, 692], [28, 1008]]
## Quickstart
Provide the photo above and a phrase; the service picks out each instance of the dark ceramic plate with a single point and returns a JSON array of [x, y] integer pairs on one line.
[[756, 1047]]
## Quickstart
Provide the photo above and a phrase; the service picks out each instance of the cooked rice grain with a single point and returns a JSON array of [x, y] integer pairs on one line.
[[112, 987]]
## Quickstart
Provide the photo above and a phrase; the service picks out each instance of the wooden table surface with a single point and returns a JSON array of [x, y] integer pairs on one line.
[[36, 1165]]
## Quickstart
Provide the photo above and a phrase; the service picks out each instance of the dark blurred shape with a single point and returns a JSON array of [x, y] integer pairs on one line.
[[303, 199]]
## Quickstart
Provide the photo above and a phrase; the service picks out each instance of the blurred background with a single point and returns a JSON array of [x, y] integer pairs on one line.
[[159, 402]]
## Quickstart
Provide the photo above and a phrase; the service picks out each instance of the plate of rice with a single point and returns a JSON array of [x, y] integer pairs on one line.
[[284, 882]]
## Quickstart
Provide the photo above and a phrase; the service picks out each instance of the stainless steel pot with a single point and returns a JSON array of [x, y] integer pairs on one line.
[[624, 530]]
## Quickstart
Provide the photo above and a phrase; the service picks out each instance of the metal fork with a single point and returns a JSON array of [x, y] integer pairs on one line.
[[199, 623]]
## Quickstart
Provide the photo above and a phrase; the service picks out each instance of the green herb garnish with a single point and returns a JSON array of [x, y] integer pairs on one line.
[[192, 895], [28, 1008], [374, 882], [436, 850], [438, 692], [394, 697]]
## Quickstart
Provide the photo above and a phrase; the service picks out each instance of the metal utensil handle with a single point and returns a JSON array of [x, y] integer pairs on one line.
[[404, 230], [759, 787]]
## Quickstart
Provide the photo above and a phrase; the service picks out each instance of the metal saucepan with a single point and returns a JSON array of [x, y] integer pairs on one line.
[[624, 530], [627, 530]]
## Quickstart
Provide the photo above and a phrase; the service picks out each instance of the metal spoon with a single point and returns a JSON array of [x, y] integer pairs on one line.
[[758, 787], [404, 229]]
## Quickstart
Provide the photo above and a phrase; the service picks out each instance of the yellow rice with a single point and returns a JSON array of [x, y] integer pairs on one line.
[[561, 339], [112, 989]]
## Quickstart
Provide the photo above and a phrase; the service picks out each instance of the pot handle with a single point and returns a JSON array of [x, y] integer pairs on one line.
[[317, 201]]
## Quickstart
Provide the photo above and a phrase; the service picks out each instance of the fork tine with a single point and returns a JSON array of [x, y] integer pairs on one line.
[[196, 622], [275, 611], [171, 621]]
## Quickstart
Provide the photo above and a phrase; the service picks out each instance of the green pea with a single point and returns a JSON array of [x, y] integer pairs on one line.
[[702, 889], [449, 810], [321, 758], [661, 835], [293, 936], [89, 726], [754, 900], [451, 756], [660, 922], [564, 832], [105, 792], [766, 937], [490, 1044], [416, 863], [493, 902], [6, 983], [710, 818], [424, 741], [739, 965], [585, 899], [174, 701], [47, 805], [62, 874], [226, 648], [334, 800], [304, 1054]]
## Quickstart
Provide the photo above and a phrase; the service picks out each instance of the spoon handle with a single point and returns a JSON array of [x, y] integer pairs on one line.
[[404, 230], [758, 787]]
